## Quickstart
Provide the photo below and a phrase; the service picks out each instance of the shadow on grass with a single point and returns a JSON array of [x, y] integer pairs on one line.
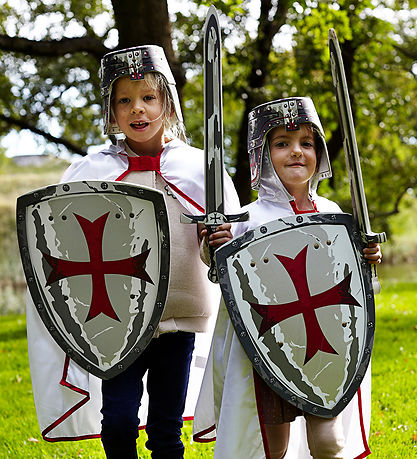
[[13, 335]]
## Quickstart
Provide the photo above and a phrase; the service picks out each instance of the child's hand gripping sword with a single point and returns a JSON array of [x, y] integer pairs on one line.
[[213, 137], [360, 209]]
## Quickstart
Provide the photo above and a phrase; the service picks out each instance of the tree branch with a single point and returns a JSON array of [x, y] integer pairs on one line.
[[396, 207], [22, 124], [54, 48]]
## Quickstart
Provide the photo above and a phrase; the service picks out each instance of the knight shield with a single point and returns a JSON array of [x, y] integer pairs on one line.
[[299, 294], [96, 260]]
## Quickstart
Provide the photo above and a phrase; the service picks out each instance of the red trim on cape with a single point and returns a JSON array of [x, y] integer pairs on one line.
[[260, 414], [152, 163], [297, 211], [78, 405], [367, 451], [198, 436]]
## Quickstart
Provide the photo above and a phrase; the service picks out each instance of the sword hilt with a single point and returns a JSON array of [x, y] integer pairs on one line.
[[211, 221]]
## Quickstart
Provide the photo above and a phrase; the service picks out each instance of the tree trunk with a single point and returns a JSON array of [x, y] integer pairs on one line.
[[267, 29], [146, 22]]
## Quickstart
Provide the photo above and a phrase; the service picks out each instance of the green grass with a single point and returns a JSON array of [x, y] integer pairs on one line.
[[19, 431], [394, 387], [394, 373]]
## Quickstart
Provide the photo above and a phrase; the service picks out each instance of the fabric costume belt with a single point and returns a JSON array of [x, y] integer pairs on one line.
[[153, 163]]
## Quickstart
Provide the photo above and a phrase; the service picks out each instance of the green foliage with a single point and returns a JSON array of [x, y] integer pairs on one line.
[[61, 95]]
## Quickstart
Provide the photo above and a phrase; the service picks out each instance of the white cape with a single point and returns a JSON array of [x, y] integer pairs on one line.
[[226, 409], [67, 398]]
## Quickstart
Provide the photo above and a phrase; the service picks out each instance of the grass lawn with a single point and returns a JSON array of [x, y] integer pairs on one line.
[[394, 385]]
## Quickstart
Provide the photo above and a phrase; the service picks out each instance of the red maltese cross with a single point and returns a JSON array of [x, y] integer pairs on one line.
[[305, 305], [97, 267]]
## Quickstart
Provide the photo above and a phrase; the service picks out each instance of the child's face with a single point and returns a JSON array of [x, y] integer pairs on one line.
[[293, 155], [138, 111]]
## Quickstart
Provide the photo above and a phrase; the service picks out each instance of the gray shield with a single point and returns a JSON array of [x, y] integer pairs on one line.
[[299, 294], [96, 260]]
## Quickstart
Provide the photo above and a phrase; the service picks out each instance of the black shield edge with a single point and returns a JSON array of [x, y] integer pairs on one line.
[[40, 303], [244, 337]]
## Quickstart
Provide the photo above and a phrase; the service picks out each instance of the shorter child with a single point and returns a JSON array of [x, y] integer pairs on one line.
[[288, 158]]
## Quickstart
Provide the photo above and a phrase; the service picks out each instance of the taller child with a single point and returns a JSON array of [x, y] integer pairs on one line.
[[140, 101]]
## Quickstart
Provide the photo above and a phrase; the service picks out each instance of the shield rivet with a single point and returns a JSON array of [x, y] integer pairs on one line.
[[39, 305], [358, 377], [150, 327], [164, 245], [88, 367], [30, 279], [164, 277], [24, 249], [299, 219], [266, 259], [161, 212], [64, 217], [253, 264], [159, 304], [117, 215], [263, 229], [333, 217], [21, 217], [314, 410], [370, 324], [344, 324], [140, 191], [256, 359], [137, 350], [222, 270], [242, 334], [104, 186], [131, 215], [50, 218], [344, 400], [51, 328], [329, 242], [36, 195], [132, 297], [293, 398], [234, 244], [232, 303], [120, 366], [69, 350], [316, 245], [367, 350], [66, 187]]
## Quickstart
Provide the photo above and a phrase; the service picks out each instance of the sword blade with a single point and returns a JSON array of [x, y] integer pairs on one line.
[[350, 146], [213, 118]]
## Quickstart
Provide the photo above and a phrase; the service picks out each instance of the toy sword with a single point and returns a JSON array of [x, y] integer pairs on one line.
[[360, 208], [213, 137]]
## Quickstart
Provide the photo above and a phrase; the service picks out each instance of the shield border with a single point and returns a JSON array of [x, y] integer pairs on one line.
[[264, 230], [80, 187]]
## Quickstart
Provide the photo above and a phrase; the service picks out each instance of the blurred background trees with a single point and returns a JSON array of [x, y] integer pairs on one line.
[[50, 53]]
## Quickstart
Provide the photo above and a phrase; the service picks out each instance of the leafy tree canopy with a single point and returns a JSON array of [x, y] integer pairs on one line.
[[50, 54]]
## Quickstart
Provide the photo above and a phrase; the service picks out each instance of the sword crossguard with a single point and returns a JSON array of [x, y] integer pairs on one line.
[[212, 221]]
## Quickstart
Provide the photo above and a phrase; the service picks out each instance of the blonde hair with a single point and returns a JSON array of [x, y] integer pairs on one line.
[[173, 127]]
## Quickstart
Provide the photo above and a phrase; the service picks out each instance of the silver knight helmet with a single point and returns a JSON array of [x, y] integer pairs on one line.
[[135, 63], [289, 112]]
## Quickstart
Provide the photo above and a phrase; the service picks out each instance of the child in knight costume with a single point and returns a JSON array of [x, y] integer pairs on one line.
[[140, 101], [288, 158]]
